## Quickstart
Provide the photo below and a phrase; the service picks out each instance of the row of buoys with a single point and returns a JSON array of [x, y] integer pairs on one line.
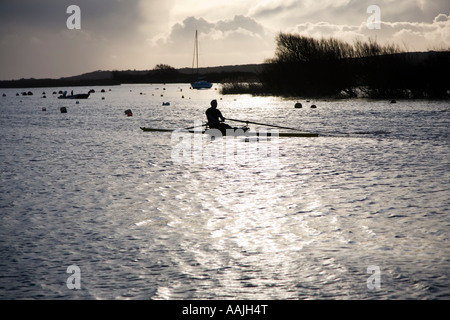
[[29, 93], [128, 112], [102, 91], [298, 105], [62, 109]]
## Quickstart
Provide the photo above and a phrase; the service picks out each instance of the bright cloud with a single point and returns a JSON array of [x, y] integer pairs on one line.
[[412, 36], [221, 42]]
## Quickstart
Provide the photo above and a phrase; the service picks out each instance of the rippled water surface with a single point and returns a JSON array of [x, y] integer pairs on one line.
[[89, 188]]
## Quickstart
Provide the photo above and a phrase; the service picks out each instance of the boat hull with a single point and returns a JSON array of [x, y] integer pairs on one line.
[[239, 132], [201, 85], [75, 96]]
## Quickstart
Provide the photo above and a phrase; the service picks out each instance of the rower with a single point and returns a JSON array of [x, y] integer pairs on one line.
[[215, 117]]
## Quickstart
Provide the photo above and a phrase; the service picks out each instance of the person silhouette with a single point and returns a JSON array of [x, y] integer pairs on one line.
[[215, 118]]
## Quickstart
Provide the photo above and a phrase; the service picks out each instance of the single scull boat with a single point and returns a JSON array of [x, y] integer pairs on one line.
[[238, 132]]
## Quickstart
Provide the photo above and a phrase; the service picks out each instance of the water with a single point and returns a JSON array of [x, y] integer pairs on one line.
[[89, 189]]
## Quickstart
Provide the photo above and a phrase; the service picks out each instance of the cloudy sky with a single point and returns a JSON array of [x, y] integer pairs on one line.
[[138, 34]]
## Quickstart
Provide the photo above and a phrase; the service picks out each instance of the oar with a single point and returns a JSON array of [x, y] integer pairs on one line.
[[195, 126], [263, 124]]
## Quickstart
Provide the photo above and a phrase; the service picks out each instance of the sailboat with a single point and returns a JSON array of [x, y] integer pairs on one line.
[[199, 84]]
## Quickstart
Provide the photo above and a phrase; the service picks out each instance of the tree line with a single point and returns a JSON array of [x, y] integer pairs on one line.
[[305, 66]]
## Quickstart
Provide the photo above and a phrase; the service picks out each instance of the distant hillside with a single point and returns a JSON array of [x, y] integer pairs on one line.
[[91, 76], [248, 68], [184, 75]]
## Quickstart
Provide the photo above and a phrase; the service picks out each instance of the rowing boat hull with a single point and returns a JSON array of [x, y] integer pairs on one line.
[[241, 133], [76, 96]]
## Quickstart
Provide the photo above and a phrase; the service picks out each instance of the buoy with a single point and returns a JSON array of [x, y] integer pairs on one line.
[[313, 106], [4, 95], [298, 105], [129, 113], [103, 98], [63, 110]]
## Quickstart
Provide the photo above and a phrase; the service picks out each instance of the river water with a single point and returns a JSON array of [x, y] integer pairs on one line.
[[361, 212]]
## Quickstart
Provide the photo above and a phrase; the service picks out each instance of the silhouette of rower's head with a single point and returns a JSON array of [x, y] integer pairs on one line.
[[214, 103]]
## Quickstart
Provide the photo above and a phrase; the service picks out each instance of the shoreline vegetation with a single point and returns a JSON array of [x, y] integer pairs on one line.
[[302, 67], [305, 66]]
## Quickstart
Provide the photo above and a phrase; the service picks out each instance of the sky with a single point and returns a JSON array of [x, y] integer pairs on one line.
[[35, 41]]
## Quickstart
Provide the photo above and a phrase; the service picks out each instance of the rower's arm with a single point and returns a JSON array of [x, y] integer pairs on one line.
[[221, 116]]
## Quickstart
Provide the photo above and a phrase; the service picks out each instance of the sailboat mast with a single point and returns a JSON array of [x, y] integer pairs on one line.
[[195, 58], [196, 43], [197, 83]]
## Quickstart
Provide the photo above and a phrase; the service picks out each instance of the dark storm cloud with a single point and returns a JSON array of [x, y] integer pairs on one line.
[[35, 40], [101, 16]]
